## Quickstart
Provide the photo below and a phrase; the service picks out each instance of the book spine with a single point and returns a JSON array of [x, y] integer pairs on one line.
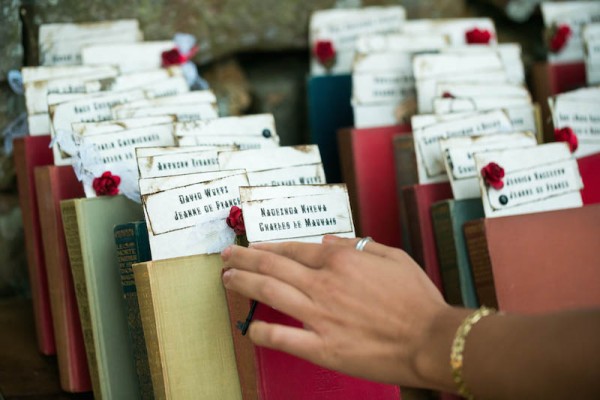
[[480, 262], [73, 239], [132, 247], [446, 249], [412, 225], [344, 137], [144, 295], [406, 175]]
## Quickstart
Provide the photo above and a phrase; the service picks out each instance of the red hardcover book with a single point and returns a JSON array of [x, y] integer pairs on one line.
[[283, 376], [589, 168], [368, 155], [545, 261], [418, 200], [54, 184], [31, 152]]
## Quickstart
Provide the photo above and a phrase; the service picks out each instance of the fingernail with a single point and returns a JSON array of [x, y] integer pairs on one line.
[[226, 253]]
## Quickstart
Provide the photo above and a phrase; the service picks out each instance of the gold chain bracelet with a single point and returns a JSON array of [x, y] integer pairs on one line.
[[458, 347]]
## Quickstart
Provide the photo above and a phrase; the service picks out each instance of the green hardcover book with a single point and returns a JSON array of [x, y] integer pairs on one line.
[[88, 225], [133, 247], [187, 329], [449, 216]]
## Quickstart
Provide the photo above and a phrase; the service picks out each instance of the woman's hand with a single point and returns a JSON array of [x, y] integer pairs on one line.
[[370, 314]]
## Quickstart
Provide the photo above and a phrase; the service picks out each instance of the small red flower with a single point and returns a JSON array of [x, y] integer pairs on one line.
[[236, 220], [493, 174], [175, 57], [448, 95], [559, 37], [567, 135], [107, 184], [324, 51], [478, 36]]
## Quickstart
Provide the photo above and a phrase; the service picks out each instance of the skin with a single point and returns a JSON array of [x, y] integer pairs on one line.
[[383, 300]]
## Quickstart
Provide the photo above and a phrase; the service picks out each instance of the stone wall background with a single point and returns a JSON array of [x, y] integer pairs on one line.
[[253, 53]]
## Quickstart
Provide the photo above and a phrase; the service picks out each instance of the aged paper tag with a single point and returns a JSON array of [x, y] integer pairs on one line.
[[341, 28], [583, 116], [539, 178], [176, 163], [97, 128], [591, 42], [61, 44], [153, 185], [296, 214], [574, 15], [430, 164], [190, 219], [129, 57], [454, 29], [460, 164], [270, 158]]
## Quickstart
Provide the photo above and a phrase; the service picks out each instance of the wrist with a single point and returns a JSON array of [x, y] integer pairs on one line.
[[432, 358]]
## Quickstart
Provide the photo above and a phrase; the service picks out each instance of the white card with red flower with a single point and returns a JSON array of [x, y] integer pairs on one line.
[[430, 163], [297, 213], [128, 57], [460, 164], [591, 43], [333, 34], [459, 31], [528, 180], [61, 43], [577, 120], [563, 23], [190, 219]]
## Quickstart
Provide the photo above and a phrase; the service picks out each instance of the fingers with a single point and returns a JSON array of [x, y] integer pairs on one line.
[[371, 247], [270, 291], [267, 263], [296, 341], [309, 254]]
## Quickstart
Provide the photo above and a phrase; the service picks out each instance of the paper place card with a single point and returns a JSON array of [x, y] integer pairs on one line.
[[382, 77], [522, 114], [564, 22], [591, 42], [399, 43], [152, 151], [311, 174], [460, 164], [129, 57], [176, 163], [270, 158], [196, 105], [456, 29], [137, 80], [299, 213], [86, 109], [468, 90], [333, 34], [97, 128], [61, 44], [430, 163], [190, 219], [153, 185], [540, 178], [583, 117]]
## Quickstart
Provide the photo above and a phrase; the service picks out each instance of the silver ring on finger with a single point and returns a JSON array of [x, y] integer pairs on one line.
[[360, 245]]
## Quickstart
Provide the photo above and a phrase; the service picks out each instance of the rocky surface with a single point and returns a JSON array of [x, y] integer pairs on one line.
[[13, 267], [11, 105], [11, 48]]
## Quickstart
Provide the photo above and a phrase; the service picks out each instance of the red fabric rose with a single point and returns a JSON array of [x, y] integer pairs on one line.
[[107, 184], [559, 38], [448, 95], [478, 36], [493, 174], [175, 57], [236, 220], [325, 53], [567, 135]]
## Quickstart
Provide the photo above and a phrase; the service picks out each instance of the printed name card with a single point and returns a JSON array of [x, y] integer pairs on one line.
[[591, 41], [564, 22], [153, 185], [581, 114], [460, 164], [540, 178], [333, 34], [185, 107], [176, 163], [61, 44], [430, 163], [299, 213], [97, 128], [129, 57], [190, 219], [456, 30]]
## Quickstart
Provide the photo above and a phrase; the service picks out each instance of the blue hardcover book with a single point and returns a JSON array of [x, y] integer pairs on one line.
[[329, 109]]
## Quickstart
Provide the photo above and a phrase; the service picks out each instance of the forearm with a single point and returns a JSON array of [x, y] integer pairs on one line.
[[511, 356]]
